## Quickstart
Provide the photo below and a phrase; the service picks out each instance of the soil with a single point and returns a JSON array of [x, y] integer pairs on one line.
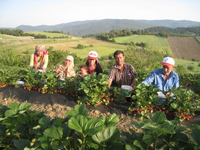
[[184, 47], [56, 105]]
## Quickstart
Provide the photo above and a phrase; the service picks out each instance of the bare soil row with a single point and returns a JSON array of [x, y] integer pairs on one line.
[[184, 47]]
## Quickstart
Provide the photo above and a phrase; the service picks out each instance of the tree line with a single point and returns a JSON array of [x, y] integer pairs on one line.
[[158, 31], [18, 32], [54, 31], [15, 32]]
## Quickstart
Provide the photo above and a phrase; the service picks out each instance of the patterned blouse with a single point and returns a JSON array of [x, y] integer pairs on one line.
[[66, 71]]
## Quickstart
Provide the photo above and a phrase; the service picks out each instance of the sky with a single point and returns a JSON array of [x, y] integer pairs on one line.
[[52, 12]]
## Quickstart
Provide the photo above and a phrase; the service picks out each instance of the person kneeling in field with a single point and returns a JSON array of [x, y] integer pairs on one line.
[[164, 78], [66, 69], [121, 73], [39, 58]]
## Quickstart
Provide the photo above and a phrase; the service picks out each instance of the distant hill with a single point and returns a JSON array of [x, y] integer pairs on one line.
[[81, 28]]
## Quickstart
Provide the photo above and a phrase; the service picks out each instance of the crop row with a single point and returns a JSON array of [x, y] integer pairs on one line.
[[93, 90], [22, 128]]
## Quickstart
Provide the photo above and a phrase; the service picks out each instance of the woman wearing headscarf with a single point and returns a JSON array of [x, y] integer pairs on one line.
[[66, 69], [39, 58], [93, 63]]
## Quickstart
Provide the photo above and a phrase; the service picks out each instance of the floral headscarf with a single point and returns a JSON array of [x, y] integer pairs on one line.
[[70, 70]]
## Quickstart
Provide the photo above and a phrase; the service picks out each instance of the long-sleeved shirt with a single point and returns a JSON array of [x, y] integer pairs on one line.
[[157, 78], [45, 61]]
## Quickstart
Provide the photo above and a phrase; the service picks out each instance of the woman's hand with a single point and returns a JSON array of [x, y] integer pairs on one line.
[[58, 69], [43, 69], [35, 67]]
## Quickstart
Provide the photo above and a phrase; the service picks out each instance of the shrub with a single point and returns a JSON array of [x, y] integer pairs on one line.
[[79, 46], [190, 68], [193, 59], [180, 69], [143, 59]]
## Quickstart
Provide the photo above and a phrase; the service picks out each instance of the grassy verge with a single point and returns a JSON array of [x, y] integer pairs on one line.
[[186, 64], [5, 37]]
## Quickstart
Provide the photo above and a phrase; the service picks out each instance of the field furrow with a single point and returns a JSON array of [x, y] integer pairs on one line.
[[185, 47]]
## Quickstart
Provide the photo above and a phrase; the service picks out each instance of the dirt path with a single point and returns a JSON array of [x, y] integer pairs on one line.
[[56, 105]]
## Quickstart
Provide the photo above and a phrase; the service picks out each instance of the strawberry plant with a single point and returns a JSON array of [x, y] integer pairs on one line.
[[195, 135], [32, 78], [95, 133], [4, 75], [159, 133], [145, 98], [182, 103], [71, 86], [93, 88], [192, 81], [49, 81], [117, 94], [21, 128]]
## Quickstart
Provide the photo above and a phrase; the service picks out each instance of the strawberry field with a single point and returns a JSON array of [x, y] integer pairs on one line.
[[77, 131]]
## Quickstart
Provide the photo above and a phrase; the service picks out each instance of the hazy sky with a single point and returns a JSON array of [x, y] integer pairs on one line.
[[51, 12]]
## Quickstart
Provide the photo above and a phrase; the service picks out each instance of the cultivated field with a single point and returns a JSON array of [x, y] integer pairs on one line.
[[50, 35], [155, 42], [185, 47], [22, 47]]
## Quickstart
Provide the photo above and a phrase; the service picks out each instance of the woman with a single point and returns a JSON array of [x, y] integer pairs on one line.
[[39, 58], [93, 63], [66, 69]]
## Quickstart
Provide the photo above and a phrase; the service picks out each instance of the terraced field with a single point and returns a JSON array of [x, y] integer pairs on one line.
[[185, 47]]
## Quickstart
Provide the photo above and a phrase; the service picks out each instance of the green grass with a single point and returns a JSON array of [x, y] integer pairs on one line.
[[153, 42], [187, 63], [198, 38], [51, 35], [102, 50], [4, 37], [21, 47]]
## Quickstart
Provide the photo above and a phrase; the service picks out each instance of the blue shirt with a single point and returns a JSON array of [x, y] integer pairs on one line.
[[157, 78]]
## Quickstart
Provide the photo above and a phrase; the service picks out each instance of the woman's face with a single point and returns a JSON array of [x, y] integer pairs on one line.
[[39, 53], [68, 62], [91, 62]]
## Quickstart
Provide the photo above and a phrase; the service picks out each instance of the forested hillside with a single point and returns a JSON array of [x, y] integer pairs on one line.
[[82, 28]]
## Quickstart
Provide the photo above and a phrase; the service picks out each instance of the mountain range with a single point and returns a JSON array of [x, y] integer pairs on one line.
[[82, 28]]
